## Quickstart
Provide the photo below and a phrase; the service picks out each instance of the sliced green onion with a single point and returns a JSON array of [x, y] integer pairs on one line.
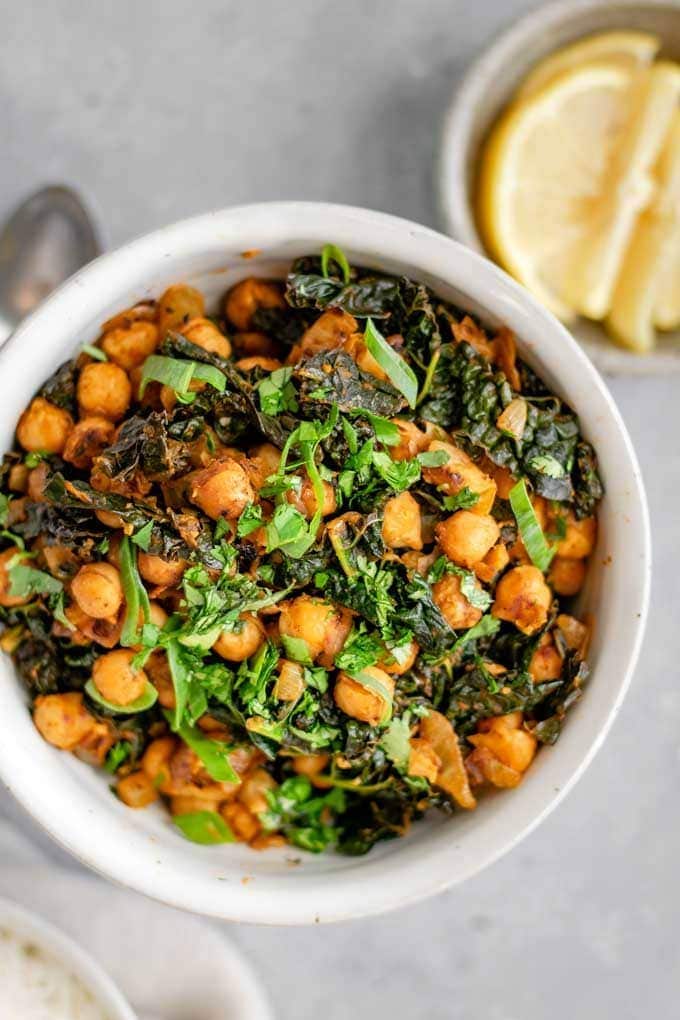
[[400, 374], [94, 352], [136, 596], [205, 827], [181, 679], [534, 540], [297, 649], [178, 375], [331, 251], [213, 753], [146, 700]]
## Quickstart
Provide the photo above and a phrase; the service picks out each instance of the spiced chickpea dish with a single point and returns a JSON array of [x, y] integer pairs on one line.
[[301, 569]]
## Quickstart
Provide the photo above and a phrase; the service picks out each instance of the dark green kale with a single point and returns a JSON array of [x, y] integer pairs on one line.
[[144, 444], [60, 388], [333, 377]]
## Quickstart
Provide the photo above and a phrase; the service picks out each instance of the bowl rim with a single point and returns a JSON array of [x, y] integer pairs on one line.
[[342, 895], [454, 206], [30, 925]]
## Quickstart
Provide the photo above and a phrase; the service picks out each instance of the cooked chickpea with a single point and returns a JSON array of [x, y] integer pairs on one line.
[[205, 334], [246, 297], [253, 789], [187, 804], [111, 520], [258, 361], [496, 560], [290, 682], [411, 441], [264, 461], [454, 607], [361, 702], [244, 825], [156, 570], [62, 719], [579, 540], [61, 561], [177, 306], [222, 490], [156, 758], [157, 615], [130, 346], [115, 678], [402, 525], [86, 441], [513, 747], [310, 765], [18, 477], [238, 645], [332, 329], [5, 598], [158, 671], [423, 760], [546, 662], [523, 598], [44, 427], [321, 625], [103, 390], [466, 537], [98, 590], [306, 502], [567, 576], [460, 472], [37, 480], [136, 790]]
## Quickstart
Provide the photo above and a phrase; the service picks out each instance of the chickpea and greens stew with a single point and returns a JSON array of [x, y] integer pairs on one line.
[[300, 570]]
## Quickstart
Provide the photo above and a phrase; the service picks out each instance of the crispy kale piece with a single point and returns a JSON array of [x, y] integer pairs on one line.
[[333, 377], [60, 388], [144, 444]]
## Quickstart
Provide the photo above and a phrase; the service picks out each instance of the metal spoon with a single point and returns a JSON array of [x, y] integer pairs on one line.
[[47, 238]]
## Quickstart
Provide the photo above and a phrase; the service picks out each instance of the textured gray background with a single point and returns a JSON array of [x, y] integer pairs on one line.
[[161, 109]]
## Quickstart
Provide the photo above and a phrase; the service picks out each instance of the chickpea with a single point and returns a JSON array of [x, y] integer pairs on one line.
[[579, 541], [310, 765], [247, 344], [290, 682], [158, 671], [136, 790], [18, 477], [110, 519], [258, 361], [156, 759], [454, 607], [62, 719], [187, 804], [98, 590], [361, 702], [157, 615], [515, 748], [466, 537], [483, 766], [37, 480], [130, 346], [239, 645], [205, 334], [5, 598], [407, 656], [461, 472], [567, 576], [105, 632], [264, 461], [253, 789], [241, 821], [246, 297], [423, 759], [86, 441], [496, 560], [306, 502], [402, 526], [332, 329], [223, 489], [523, 598], [115, 678], [61, 561], [546, 662], [178, 305], [104, 390], [156, 570], [321, 625], [44, 427], [411, 441]]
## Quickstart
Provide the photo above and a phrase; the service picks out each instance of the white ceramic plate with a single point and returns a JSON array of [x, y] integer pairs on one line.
[[487, 87], [170, 966], [141, 848]]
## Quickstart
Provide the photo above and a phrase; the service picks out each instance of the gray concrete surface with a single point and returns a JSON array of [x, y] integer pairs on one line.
[[162, 109]]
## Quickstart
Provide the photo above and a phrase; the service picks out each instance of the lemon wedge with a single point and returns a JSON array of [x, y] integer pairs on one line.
[[590, 280], [543, 169], [653, 248], [629, 50]]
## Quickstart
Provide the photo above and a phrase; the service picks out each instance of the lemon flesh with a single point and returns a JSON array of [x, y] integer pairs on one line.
[[653, 248], [544, 169], [629, 50]]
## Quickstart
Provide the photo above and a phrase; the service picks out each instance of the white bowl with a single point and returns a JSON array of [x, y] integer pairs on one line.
[[141, 849], [36, 931], [488, 86]]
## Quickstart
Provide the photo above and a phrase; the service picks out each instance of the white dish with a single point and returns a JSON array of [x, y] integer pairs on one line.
[[35, 930], [170, 966], [487, 87], [140, 848]]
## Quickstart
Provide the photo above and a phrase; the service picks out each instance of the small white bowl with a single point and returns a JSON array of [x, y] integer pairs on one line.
[[485, 90], [141, 849], [36, 931]]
